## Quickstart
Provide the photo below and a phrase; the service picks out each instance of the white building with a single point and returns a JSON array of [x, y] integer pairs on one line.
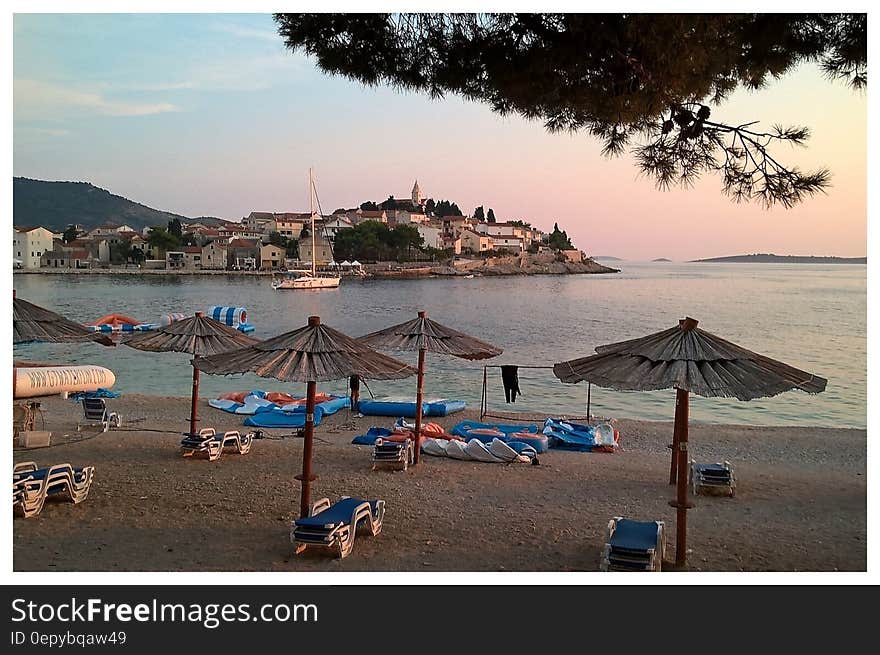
[[109, 230], [334, 223], [527, 234], [29, 244], [432, 236], [507, 242], [473, 242]]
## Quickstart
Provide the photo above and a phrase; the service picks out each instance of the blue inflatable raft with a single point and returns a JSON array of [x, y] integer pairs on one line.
[[401, 407]]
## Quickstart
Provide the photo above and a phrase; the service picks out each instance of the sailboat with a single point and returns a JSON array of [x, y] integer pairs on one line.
[[308, 279]]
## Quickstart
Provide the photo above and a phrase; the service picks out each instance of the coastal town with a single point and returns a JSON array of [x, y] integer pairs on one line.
[[414, 234]]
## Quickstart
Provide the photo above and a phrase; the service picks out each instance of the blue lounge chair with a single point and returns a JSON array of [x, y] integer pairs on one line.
[[95, 411], [333, 527], [713, 478], [31, 486], [634, 545]]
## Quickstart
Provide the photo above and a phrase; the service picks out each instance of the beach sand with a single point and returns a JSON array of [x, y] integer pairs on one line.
[[800, 503]]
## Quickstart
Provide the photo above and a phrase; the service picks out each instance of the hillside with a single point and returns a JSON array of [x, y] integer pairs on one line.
[[56, 205], [765, 258]]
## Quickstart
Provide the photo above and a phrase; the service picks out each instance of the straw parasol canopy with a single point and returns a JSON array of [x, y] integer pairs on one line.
[[424, 335], [198, 335], [31, 323], [692, 360], [689, 360], [311, 354]]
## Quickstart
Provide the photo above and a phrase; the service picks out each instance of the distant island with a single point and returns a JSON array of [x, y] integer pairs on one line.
[[606, 258], [764, 258], [661, 259]]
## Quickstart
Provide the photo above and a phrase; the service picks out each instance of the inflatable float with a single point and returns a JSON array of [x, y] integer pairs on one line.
[[404, 407], [232, 316], [119, 323], [31, 382]]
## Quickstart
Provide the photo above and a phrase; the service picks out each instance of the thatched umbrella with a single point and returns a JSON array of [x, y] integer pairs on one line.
[[423, 334], [31, 323], [314, 353], [689, 360], [197, 335]]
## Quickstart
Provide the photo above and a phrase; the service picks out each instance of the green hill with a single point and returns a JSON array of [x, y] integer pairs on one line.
[[56, 205]]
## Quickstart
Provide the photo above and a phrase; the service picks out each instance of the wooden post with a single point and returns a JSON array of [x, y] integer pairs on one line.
[[193, 414], [194, 407], [418, 430], [673, 460], [681, 503], [680, 452], [306, 476]]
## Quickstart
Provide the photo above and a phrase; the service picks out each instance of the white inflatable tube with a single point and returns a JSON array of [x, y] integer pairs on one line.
[[31, 382]]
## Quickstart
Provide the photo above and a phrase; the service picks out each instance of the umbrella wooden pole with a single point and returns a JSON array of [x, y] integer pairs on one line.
[[418, 431], [194, 409], [306, 477], [673, 460], [681, 503]]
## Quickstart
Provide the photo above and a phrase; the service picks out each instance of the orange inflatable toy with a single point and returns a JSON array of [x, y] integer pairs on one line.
[[115, 320]]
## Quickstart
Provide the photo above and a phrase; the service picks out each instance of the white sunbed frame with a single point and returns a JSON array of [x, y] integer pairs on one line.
[[338, 538], [29, 494], [702, 484], [213, 445], [400, 461], [107, 421], [654, 555]]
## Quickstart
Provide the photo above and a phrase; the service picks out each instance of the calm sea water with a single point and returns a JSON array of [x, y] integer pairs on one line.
[[810, 316]]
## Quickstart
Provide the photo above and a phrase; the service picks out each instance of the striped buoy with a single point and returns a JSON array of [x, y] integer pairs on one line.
[[168, 319], [232, 316]]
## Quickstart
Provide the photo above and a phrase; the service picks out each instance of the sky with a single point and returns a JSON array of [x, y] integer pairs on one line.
[[208, 114]]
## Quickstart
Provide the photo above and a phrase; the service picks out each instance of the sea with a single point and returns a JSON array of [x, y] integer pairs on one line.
[[810, 316]]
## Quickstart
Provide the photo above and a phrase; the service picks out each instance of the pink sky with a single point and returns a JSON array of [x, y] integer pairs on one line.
[[233, 126]]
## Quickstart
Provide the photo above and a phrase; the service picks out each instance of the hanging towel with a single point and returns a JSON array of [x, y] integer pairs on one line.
[[511, 382]]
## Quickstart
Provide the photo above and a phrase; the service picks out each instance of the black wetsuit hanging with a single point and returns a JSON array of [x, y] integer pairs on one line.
[[511, 383]]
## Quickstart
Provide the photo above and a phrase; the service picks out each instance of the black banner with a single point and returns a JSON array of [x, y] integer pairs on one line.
[[334, 617]]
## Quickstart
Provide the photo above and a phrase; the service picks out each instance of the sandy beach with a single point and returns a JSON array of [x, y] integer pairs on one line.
[[800, 503]]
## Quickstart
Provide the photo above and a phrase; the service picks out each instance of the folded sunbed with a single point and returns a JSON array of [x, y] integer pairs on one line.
[[713, 478], [633, 545], [31, 486], [333, 527], [394, 455], [207, 444]]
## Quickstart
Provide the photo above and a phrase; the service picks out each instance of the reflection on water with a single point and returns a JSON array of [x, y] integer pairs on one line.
[[810, 316]]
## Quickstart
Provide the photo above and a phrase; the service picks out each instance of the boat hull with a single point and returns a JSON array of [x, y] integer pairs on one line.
[[308, 283]]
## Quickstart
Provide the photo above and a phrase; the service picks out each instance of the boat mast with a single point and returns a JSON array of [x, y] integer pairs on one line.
[[312, 214]]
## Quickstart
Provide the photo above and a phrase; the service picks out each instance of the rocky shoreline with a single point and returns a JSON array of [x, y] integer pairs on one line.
[[524, 264]]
